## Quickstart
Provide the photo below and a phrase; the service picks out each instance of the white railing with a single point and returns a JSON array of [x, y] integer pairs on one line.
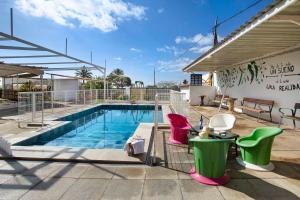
[[159, 99], [33, 107], [179, 103]]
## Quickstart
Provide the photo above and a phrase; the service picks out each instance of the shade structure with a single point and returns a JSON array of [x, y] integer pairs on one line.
[[273, 31], [8, 70]]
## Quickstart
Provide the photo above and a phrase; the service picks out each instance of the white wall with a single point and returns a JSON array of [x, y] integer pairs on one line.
[[64, 85], [274, 78], [197, 91], [186, 91]]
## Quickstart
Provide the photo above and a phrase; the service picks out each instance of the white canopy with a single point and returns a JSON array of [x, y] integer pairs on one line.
[[7, 70], [274, 30]]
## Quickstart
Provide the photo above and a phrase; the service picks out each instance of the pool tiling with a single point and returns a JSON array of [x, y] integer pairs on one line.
[[101, 127]]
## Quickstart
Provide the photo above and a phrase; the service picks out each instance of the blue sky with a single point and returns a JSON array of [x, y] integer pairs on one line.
[[135, 35]]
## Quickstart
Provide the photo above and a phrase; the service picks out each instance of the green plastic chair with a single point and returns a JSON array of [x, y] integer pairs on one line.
[[210, 156], [256, 148]]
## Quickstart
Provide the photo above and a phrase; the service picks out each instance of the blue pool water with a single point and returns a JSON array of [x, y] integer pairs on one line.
[[106, 126]]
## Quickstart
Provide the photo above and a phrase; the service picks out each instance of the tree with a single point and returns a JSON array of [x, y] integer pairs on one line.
[[139, 84], [126, 81], [185, 82], [84, 73], [27, 87], [118, 72], [118, 79], [168, 84], [98, 83]]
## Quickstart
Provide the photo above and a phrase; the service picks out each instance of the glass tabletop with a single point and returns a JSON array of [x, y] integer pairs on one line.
[[223, 135]]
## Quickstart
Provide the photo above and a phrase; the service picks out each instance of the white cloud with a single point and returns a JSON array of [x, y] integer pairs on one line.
[[135, 50], [170, 49], [118, 58], [198, 39], [173, 65], [202, 43], [160, 10], [104, 15], [200, 49]]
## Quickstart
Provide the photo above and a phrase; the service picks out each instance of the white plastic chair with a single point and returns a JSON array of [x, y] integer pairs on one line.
[[222, 122]]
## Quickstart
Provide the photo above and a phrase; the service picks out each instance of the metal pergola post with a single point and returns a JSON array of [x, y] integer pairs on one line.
[[104, 95], [3, 89]]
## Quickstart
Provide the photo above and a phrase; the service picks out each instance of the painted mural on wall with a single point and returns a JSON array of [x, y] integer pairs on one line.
[[252, 72], [273, 77]]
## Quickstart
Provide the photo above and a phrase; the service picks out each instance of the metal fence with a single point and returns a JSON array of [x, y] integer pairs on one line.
[[33, 107]]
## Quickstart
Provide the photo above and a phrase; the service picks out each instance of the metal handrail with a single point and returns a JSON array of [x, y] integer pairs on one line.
[[157, 96]]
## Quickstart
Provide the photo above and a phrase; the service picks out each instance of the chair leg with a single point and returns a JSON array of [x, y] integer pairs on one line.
[[271, 116], [280, 122], [294, 122], [258, 117]]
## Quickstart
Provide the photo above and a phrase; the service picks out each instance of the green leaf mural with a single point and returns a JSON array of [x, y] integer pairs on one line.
[[251, 73], [242, 74]]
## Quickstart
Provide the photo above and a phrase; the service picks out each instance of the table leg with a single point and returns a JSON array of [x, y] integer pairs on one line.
[[201, 122], [202, 100], [236, 148]]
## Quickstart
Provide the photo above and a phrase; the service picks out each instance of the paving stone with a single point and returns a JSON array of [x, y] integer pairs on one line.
[[86, 189], [124, 189], [49, 189], [160, 173], [269, 189], [292, 185], [238, 189], [130, 173], [184, 175], [98, 171], [5, 177], [70, 171], [194, 190], [162, 189], [42, 170], [287, 169], [2, 163], [16, 186], [16, 167]]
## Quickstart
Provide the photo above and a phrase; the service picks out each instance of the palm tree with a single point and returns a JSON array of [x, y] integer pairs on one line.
[[84, 73], [118, 79], [118, 72], [139, 84]]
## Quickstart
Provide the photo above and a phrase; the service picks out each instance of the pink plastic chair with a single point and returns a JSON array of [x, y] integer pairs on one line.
[[179, 129]]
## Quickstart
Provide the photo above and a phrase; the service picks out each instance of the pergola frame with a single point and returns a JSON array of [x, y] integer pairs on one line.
[[47, 53], [35, 47]]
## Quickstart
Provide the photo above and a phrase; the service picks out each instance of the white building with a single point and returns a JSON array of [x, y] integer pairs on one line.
[[259, 60], [64, 88]]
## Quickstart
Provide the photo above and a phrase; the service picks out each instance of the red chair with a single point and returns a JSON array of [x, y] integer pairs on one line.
[[179, 129]]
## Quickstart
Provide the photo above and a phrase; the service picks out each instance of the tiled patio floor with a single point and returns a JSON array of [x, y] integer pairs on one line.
[[52, 180], [44, 180]]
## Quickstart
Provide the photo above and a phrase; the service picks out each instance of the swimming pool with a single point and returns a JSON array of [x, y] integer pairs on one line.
[[102, 127]]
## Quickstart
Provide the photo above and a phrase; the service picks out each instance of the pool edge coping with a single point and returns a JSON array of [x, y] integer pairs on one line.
[[147, 150]]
